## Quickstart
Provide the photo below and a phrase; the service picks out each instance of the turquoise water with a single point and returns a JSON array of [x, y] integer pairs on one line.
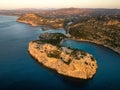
[[19, 71]]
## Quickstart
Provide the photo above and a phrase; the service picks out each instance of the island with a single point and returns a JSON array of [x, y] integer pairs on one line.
[[66, 61]]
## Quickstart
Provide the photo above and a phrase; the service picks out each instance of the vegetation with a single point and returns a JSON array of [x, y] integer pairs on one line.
[[35, 19], [52, 38], [54, 54], [102, 29]]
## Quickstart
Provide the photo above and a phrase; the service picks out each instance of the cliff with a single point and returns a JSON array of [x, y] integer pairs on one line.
[[36, 20], [66, 61]]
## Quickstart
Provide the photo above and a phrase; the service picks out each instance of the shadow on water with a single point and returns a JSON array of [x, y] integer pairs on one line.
[[74, 82], [68, 81]]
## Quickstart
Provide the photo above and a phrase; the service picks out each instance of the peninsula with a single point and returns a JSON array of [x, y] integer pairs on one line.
[[36, 20], [66, 61]]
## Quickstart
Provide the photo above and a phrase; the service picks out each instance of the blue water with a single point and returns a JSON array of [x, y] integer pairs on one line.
[[19, 71]]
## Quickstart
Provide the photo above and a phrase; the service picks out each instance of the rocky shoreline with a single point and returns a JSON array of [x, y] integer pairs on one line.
[[82, 66]]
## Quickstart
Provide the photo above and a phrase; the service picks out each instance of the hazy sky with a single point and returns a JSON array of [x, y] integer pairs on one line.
[[12, 4]]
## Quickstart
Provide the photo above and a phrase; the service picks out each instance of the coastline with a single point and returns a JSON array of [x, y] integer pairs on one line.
[[93, 41], [29, 23], [98, 43], [44, 27]]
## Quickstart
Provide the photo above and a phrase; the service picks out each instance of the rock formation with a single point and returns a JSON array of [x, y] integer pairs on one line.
[[66, 61]]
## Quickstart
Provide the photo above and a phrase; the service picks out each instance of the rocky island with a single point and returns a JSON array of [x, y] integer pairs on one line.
[[66, 61], [37, 20]]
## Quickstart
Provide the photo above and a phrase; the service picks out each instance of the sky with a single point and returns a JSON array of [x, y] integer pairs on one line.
[[44, 4]]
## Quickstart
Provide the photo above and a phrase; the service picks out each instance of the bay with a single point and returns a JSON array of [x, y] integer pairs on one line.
[[18, 70]]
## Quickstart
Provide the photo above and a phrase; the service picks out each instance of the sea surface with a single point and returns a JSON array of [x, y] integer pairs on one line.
[[19, 71]]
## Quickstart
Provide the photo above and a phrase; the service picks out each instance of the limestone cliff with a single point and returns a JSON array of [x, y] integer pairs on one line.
[[66, 61]]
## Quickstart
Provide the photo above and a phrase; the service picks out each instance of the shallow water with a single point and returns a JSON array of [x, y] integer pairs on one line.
[[18, 70]]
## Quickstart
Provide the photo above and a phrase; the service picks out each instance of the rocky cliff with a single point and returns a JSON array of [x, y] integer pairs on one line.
[[66, 61]]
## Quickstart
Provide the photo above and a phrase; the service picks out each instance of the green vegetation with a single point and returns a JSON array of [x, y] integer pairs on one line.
[[54, 54], [78, 54], [102, 29], [92, 58], [52, 38], [55, 39]]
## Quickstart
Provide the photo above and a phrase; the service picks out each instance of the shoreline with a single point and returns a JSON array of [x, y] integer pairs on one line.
[[97, 43], [35, 25], [29, 23]]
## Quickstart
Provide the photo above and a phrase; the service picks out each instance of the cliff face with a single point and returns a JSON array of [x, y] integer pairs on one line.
[[65, 61], [36, 20]]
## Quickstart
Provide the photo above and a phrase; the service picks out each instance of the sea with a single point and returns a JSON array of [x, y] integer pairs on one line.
[[19, 71]]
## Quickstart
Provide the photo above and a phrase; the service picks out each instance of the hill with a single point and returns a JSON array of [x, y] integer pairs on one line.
[[63, 12], [103, 30], [36, 20]]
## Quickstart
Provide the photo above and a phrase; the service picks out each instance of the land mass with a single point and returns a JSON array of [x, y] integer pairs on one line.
[[62, 12], [104, 30], [36, 20], [99, 28], [66, 61]]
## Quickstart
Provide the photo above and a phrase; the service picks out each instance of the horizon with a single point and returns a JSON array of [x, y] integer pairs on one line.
[[54, 8], [55, 4]]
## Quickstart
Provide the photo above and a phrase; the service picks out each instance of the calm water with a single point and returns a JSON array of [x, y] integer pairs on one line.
[[19, 71]]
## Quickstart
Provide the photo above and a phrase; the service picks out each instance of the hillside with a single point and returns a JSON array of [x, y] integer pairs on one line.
[[36, 20], [103, 30]]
